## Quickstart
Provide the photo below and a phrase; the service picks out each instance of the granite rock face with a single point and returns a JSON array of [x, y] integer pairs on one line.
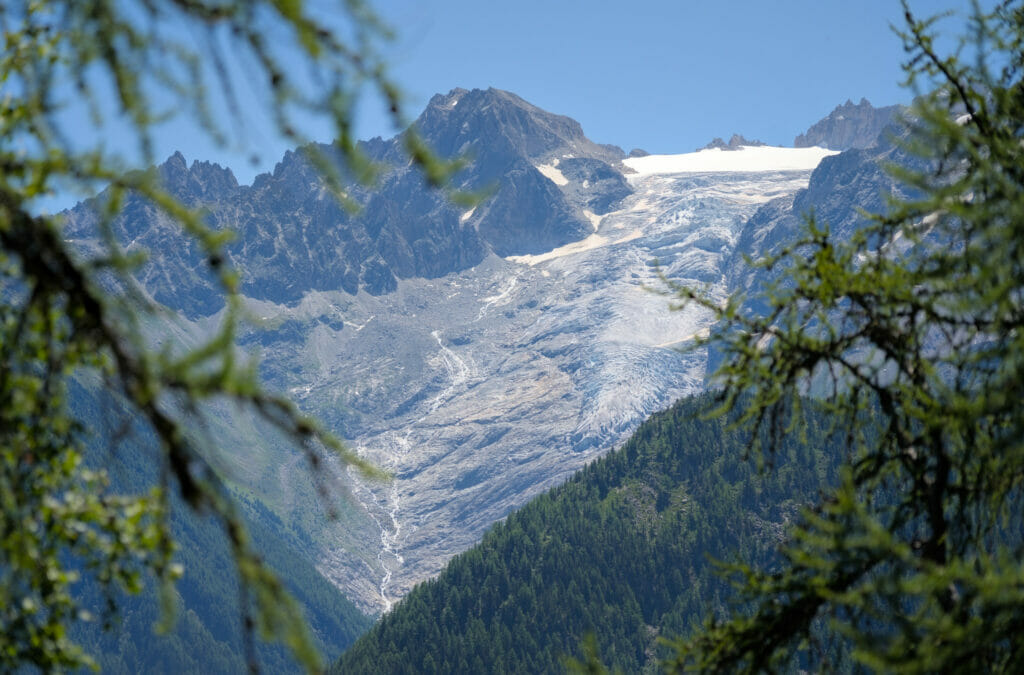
[[840, 191], [519, 150], [849, 126], [294, 237], [736, 141]]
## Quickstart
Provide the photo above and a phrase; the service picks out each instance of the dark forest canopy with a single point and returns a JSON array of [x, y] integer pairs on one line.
[[622, 551]]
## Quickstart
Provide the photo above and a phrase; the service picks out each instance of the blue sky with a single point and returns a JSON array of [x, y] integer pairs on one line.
[[665, 76]]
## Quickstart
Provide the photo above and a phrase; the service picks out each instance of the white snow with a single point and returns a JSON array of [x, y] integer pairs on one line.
[[635, 234], [591, 242], [702, 333], [594, 219], [361, 326], [553, 174], [715, 160], [501, 295]]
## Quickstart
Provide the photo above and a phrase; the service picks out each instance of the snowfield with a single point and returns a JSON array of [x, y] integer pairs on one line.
[[715, 160]]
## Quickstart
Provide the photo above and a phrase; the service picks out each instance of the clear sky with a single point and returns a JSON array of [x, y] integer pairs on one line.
[[662, 75]]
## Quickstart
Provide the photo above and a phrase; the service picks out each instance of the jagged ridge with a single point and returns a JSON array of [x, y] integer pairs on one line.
[[849, 126], [294, 237]]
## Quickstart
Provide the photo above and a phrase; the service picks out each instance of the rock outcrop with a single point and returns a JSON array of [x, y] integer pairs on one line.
[[735, 143], [849, 126], [293, 235]]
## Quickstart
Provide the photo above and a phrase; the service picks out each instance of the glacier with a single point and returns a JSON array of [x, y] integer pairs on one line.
[[480, 389]]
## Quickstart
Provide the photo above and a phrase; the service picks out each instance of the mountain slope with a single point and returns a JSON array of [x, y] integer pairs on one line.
[[293, 237], [840, 194], [621, 550], [849, 126], [484, 388], [481, 356], [207, 634]]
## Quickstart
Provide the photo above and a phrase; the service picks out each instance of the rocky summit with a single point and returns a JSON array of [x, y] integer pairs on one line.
[[736, 141], [480, 355], [850, 125], [293, 235]]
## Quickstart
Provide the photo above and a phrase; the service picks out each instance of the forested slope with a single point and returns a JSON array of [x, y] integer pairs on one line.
[[622, 550], [207, 635]]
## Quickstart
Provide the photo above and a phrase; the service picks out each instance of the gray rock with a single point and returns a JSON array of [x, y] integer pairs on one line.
[[294, 237], [736, 142], [841, 190], [850, 126]]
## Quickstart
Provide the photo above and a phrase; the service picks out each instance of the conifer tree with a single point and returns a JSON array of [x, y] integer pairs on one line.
[[913, 336]]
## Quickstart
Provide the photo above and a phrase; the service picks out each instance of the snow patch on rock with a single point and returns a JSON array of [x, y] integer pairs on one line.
[[553, 174]]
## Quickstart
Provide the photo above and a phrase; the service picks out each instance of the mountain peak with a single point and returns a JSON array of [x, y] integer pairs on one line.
[[850, 125], [293, 239], [736, 142], [447, 101], [454, 122], [174, 166], [200, 182]]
